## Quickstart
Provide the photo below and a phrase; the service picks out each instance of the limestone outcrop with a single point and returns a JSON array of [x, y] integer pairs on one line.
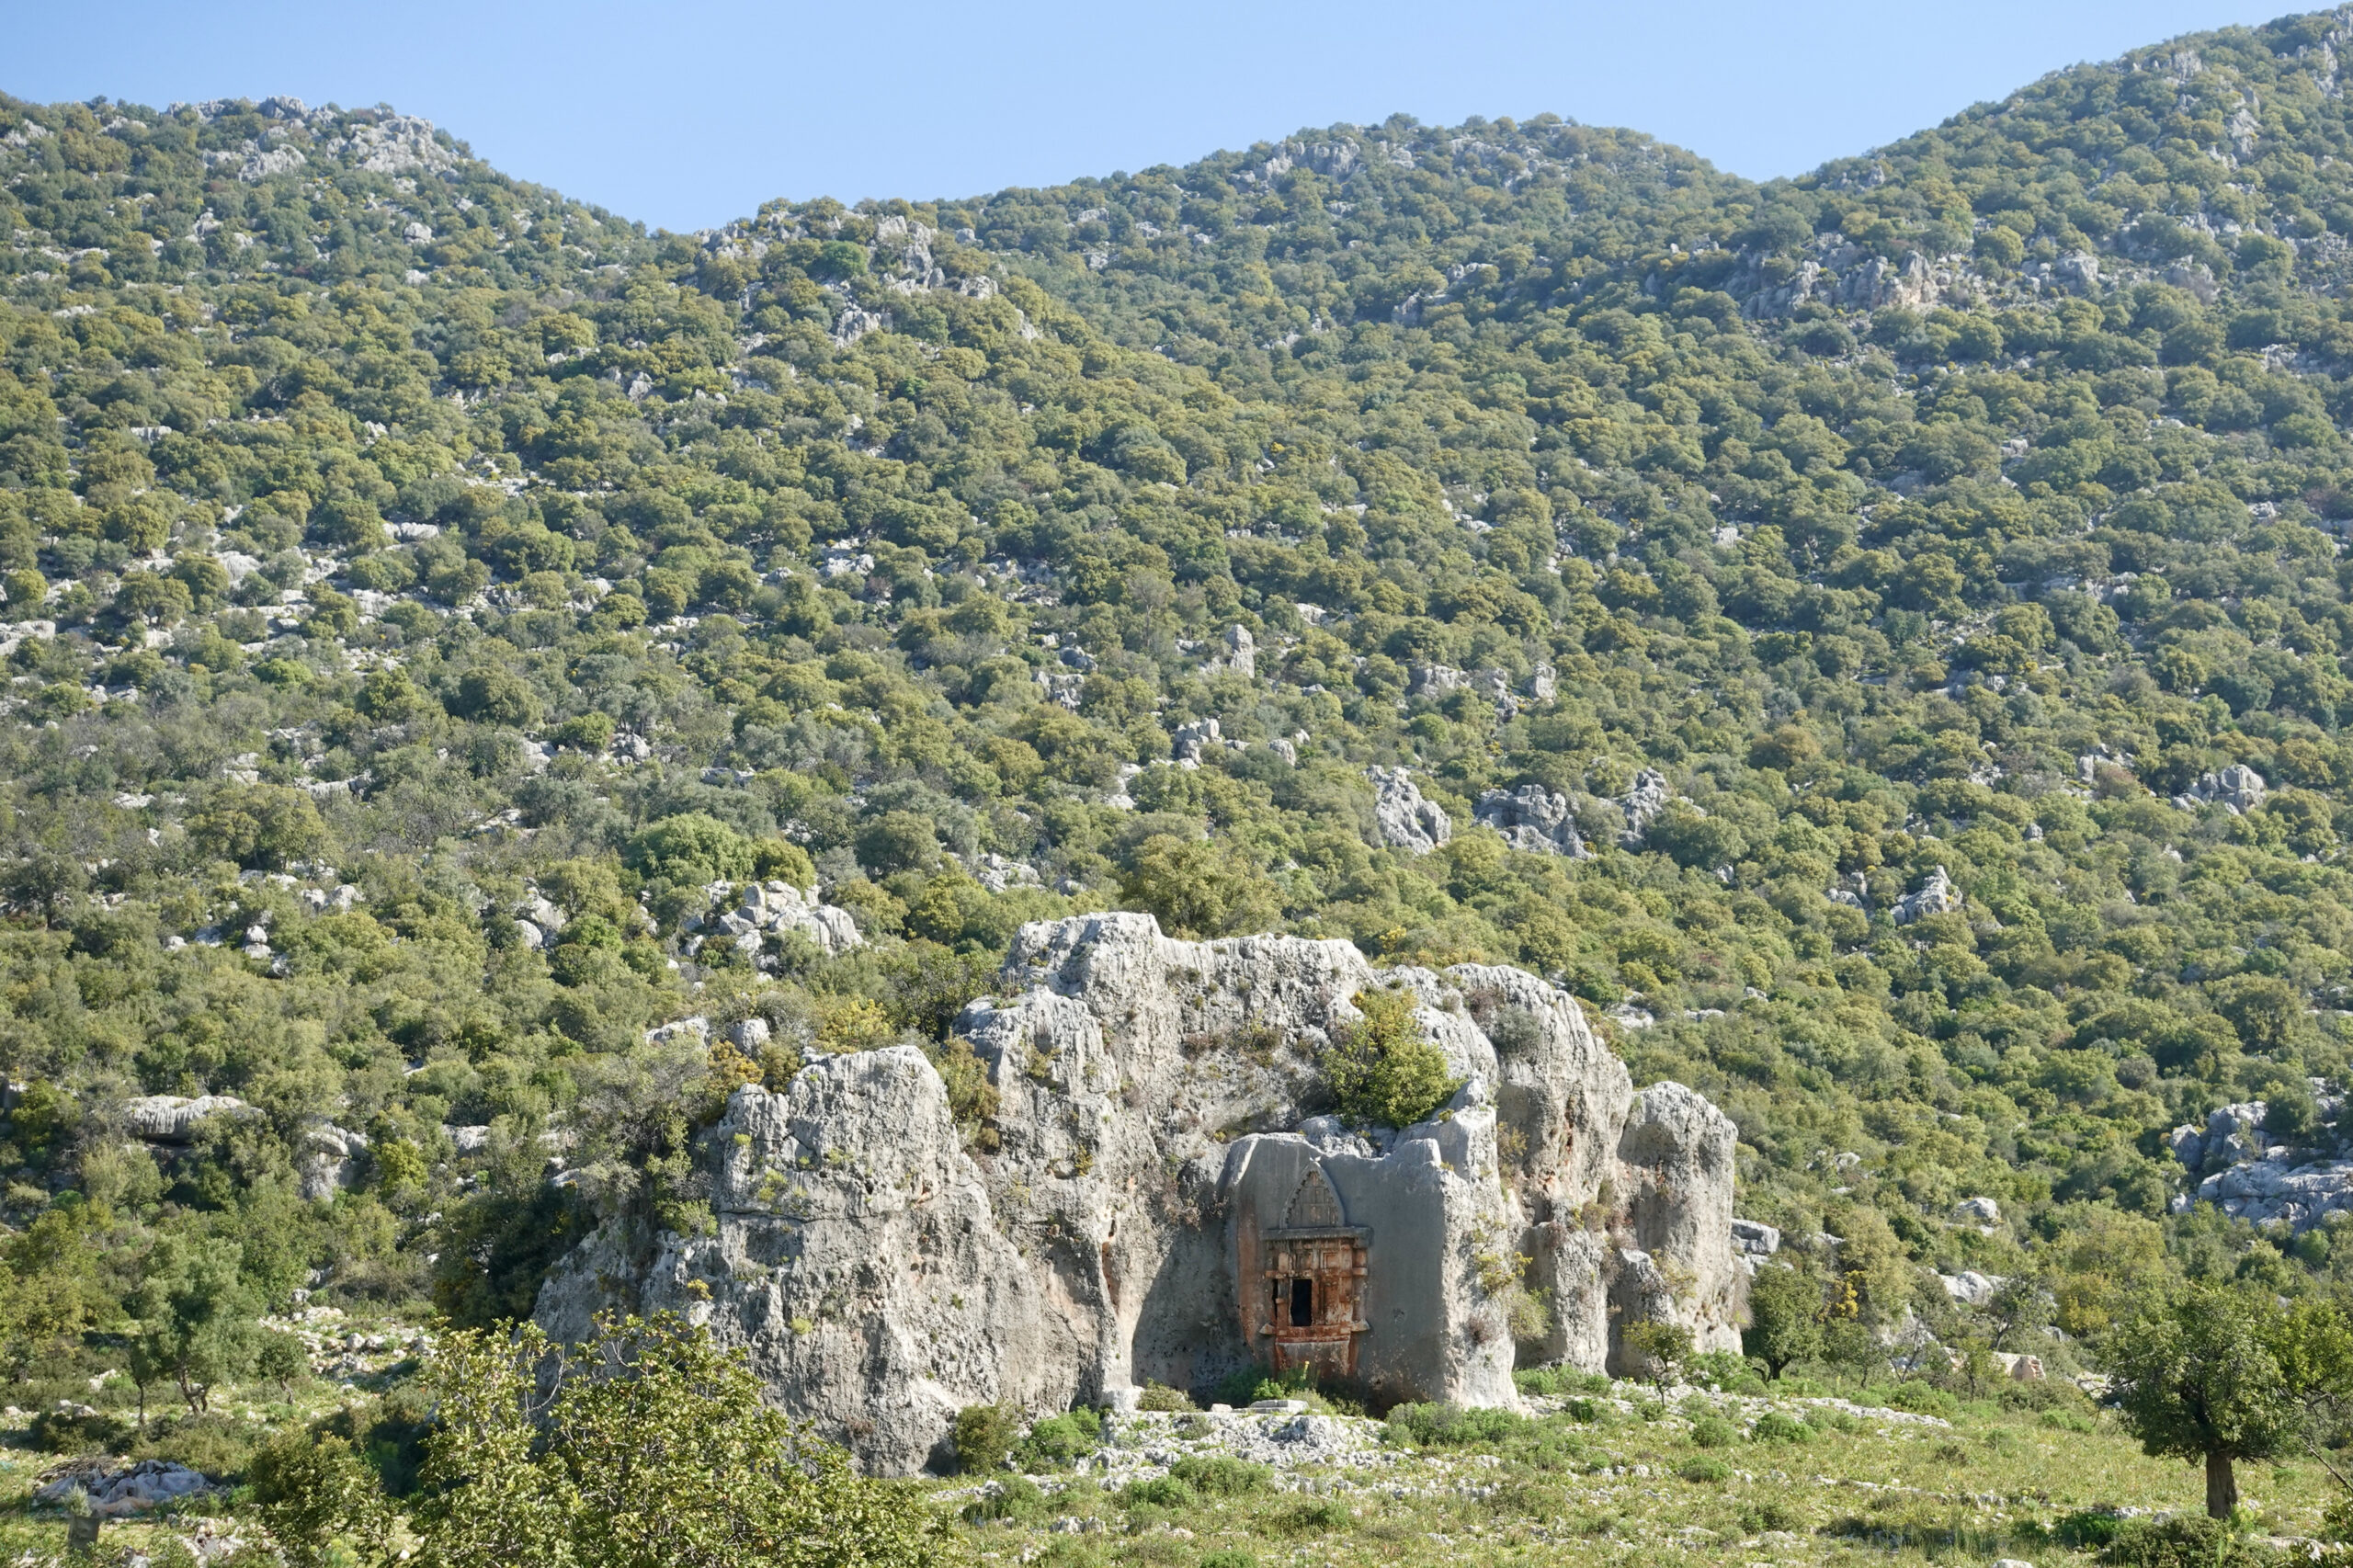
[[1405, 819], [1163, 1195], [2256, 1164]]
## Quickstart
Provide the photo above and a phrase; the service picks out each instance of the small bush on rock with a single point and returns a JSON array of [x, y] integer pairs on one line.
[[1053, 1445], [1778, 1427], [1450, 1425], [1161, 1492], [1551, 1382], [1014, 1497], [1161, 1397], [1382, 1070]]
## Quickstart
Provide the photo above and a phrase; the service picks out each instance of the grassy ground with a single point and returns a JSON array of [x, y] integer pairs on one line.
[[1643, 1479], [1698, 1478]]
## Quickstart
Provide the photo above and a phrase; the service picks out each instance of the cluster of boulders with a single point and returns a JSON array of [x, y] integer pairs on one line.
[[1434, 681], [2246, 1166], [765, 909], [2237, 788], [110, 1493], [1533, 819], [1935, 895], [1530, 817]]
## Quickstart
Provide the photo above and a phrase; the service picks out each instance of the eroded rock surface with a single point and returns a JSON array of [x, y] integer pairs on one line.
[[1161, 1161], [1405, 819], [2257, 1162]]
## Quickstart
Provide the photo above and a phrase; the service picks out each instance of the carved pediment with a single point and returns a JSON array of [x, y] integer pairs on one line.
[[1314, 1207]]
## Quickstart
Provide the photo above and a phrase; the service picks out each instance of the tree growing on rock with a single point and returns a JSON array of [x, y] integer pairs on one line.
[[1382, 1071]]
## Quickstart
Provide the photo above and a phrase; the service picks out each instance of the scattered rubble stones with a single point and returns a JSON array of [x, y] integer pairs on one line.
[[118, 1493]]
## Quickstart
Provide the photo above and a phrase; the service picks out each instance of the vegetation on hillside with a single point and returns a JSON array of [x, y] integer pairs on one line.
[[390, 550]]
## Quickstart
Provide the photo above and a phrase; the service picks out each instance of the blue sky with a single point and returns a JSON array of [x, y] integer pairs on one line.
[[690, 114]]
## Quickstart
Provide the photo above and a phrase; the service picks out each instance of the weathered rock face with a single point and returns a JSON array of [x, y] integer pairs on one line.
[[1534, 819], [2249, 1162], [855, 1255], [1167, 1201], [1407, 821]]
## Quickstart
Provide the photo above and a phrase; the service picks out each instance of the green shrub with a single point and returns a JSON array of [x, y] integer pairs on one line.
[[1779, 1427], [1450, 1425], [1551, 1382], [984, 1434], [1053, 1445], [213, 1444], [1011, 1497], [1714, 1432], [1922, 1398], [1705, 1469], [1161, 1397], [1772, 1513], [1382, 1070], [1726, 1372], [1161, 1492], [2067, 1421], [1592, 1411], [1312, 1515], [2185, 1541], [54, 1432], [2087, 1529], [1229, 1557], [1222, 1475], [1823, 1418]]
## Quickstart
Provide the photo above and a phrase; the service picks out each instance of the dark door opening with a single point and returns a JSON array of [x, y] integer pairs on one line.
[[1302, 1303]]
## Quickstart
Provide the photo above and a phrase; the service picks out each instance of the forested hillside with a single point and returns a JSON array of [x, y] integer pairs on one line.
[[420, 588]]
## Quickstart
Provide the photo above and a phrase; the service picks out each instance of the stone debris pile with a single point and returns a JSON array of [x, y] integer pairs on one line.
[[116, 1493]]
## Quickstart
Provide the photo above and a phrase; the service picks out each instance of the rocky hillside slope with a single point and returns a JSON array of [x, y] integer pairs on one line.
[[1875, 637]]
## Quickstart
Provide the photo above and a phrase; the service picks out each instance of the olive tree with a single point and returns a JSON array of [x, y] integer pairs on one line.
[[2199, 1376]]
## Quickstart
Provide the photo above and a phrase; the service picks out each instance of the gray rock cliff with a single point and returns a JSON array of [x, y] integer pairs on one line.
[[1168, 1200]]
